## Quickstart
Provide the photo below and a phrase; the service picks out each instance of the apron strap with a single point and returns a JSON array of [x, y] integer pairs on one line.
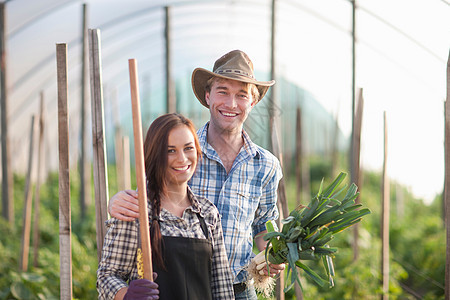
[[203, 225]]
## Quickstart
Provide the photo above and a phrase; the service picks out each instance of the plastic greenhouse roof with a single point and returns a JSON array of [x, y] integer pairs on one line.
[[313, 50]]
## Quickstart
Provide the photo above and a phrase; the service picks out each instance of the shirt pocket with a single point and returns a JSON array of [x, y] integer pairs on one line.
[[247, 202]]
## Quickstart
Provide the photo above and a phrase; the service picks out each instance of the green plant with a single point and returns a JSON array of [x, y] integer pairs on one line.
[[308, 229]]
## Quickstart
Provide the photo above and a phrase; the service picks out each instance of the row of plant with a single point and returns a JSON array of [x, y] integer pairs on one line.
[[417, 240]]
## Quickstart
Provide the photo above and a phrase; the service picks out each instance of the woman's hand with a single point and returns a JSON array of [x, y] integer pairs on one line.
[[142, 289]]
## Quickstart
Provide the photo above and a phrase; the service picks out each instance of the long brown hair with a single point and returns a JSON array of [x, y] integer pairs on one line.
[[155, 153]]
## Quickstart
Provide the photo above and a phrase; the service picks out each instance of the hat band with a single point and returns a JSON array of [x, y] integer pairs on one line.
[[240, 72]]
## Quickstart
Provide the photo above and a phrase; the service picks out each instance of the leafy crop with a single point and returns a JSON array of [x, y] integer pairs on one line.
[[308, 229]]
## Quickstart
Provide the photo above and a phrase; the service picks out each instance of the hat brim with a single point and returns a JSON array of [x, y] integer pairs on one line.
[[200, 76]]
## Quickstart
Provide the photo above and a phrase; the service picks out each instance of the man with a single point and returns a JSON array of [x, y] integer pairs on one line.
[[238, 176]]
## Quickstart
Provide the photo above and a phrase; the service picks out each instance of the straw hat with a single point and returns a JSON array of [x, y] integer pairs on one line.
[[234, 65]]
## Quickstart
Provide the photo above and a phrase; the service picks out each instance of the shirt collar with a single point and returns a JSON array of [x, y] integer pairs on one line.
[[249, 146], [194, 207]]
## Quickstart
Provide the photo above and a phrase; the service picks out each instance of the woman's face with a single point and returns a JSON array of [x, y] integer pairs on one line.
[[182, 156]]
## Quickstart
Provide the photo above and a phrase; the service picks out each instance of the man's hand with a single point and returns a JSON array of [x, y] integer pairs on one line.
[[274, 269], [124, 205], [261, 265]]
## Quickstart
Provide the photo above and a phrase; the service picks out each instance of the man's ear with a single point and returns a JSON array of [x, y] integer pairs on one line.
[[207, 98]]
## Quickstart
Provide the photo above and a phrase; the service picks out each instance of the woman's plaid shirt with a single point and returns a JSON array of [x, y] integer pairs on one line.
[[246, 197], [118, 263]]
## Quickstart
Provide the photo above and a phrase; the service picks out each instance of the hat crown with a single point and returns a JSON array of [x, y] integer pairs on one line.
[[235, 62]]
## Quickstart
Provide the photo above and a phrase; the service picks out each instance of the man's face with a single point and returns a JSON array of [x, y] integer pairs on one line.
[[230, 102]]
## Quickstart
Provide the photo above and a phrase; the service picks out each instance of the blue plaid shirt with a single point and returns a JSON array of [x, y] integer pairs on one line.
[[246, 197]]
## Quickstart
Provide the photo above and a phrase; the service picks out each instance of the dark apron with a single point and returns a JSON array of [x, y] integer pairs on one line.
[[188, 262]]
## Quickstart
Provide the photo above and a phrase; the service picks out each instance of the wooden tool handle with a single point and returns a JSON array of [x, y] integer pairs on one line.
[[140, 171]]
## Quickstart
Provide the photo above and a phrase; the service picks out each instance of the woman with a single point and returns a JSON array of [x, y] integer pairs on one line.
[[186, 234]]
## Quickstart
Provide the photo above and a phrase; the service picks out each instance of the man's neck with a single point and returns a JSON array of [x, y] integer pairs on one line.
[[226, 143]]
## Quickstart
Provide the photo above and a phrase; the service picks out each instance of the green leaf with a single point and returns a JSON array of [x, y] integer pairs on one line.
[[353, 207], [325, 218], [33, 277], [294, 234], [271, 235], [287, 220], [307, 254], [330, 265], [332, 187], [313, 275], [325, 239], [269, 226], [342, 227], [20, 291], [325, 250], [293, 253], [331, 270], [320, 188], [292, 257], [310, 210]]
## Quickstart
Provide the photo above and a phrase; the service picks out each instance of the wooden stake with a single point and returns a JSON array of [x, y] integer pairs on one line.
[[277, 151], [126, 162], [447, 182], [335, 146], [65, 252], [85, 168], [37, 198], [118, 145], [25, 248], [298, 155], [7, 176], [170, 85], [283, 209], [301, 163], [355, 172], [385, 221], [98, 140], [140, 171], [302, 191], [119, 158]]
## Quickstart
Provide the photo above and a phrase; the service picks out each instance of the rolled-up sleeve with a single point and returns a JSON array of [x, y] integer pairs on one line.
[[118, 257], [267, 208], [221, 279]]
